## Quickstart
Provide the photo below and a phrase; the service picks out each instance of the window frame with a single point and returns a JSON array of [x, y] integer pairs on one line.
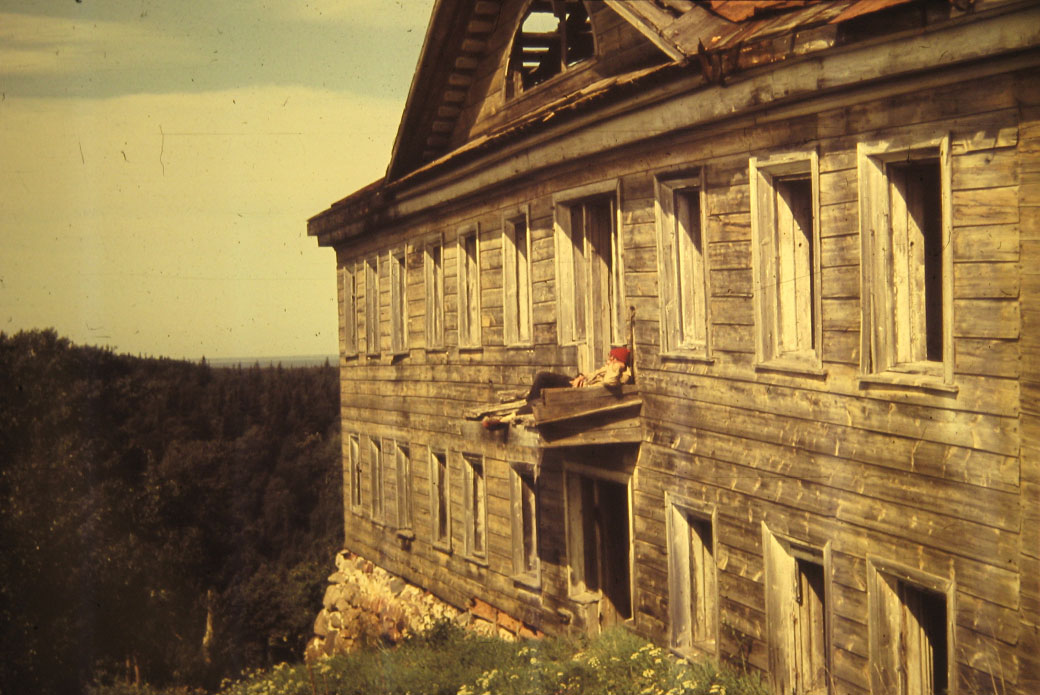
[[475, 505], [515, 77], [402, 452], [577, 582], [568, 317], [372, 347], [878, 337], [469, 333], [879, 600], [517, 286], [708, 514], [670, 268], [765, 173], [349, 314], [355, 473], [397, 260], [377, 449], [523, 483], [782, 556], [440, 493], [434, 291]]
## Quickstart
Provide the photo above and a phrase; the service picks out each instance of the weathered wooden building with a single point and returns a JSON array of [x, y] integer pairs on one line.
[[815, 223]]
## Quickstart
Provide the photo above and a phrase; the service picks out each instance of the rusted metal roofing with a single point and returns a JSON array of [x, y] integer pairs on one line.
[[740, 10]]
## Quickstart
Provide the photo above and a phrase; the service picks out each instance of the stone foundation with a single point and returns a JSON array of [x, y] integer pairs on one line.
[[365, 604]]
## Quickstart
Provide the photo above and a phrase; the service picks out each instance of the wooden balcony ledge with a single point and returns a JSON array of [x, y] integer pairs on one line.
[[589, 415]]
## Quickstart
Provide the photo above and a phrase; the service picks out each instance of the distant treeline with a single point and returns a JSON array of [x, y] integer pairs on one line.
[[142, 500]]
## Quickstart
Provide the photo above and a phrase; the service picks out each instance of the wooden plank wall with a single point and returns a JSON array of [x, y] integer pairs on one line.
[[1028, 96], [915, 477], [926, 479]]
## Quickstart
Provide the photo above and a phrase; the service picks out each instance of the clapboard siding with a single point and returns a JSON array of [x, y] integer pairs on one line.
[[942, 480]]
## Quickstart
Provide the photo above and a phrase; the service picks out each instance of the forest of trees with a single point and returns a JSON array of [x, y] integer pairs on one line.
[[139, 497]]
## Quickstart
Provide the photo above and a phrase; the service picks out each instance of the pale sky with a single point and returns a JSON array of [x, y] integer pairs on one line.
[[159, 161]]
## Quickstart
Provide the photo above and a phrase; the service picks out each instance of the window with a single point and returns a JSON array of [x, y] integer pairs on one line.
[[434, 270], [371, 307], [796, 616], [682, 267], [440, 507], [905, 229], [404, 486], [553, 35], [516, 280], [398, 302], [589, 272], [349, 312], [469, 288], [476, 506], [693, 596], [785, 234], [354, 471], [524, 492], [598, 546], [375, 462], [911, 646]]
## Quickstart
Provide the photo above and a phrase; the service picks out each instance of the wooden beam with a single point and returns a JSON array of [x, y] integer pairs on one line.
[[554, 416], [650, 28]]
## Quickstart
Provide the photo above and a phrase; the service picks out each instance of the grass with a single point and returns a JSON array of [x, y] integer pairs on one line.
[[450, 661]]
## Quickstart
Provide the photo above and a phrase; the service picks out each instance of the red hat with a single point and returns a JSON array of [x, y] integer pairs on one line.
[[620, 354]]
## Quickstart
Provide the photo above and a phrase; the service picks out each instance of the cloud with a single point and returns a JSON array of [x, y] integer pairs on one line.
[[40, 45], [101, 49]]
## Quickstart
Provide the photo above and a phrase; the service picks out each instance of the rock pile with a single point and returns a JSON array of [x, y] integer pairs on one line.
[[365, 604]]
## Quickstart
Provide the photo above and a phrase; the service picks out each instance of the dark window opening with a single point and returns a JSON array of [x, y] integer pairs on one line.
[[441, 518], [810, 632], [918, 182], [924, 638], [605, 530], [528, 524], [553, 36]]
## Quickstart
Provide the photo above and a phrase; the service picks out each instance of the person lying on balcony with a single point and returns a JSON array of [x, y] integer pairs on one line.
[[614, 373]]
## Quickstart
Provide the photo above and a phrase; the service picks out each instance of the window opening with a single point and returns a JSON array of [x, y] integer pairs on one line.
[[810, 637], [476, 500], [441, 513], [683, 274], [398, 302], [469, 291], [525, 526], [905, 228], [910, 641], [404, 487], [794, 231], [376, 463], [517, 281], [797, 616], [916, 218], [785, 231], [692, 580], [434, 295], [598, 533], [371, 307], [553, 36], [354, 463], [590, 279], [350, 309]]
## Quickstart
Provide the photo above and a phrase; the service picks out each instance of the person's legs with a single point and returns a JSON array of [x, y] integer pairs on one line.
[[547, 380]]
